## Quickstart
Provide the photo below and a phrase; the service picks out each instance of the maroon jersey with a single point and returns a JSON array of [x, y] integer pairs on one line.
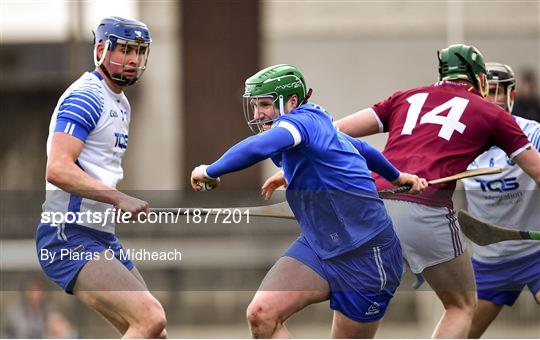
[[436, 131]]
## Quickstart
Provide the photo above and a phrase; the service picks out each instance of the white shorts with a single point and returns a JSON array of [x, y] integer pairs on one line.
[[428, 235]]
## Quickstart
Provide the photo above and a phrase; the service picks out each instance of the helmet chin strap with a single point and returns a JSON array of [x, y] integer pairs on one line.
[[118, 82]]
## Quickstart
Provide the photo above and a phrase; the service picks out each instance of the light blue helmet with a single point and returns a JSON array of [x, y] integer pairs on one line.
[[115, 30]]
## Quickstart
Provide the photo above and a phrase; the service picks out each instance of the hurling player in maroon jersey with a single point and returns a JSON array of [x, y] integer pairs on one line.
[[436, 131]]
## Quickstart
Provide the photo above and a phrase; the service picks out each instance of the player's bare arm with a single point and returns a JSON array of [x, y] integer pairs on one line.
[[529, 161], [65, 174], [359, 124]]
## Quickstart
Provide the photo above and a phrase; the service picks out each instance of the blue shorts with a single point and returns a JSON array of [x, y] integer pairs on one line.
[[72, 247], [363, 281], [501, 283]]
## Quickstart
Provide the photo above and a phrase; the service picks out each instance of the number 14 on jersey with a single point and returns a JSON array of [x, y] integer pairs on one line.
[[449, 123]]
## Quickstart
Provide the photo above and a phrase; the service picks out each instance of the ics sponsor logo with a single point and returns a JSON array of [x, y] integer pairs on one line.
[[499, 185]]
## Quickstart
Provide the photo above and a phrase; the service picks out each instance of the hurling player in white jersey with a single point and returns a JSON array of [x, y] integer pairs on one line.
[[88, 136], [509, 199]]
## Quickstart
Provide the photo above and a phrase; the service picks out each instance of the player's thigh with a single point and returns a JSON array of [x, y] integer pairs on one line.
[[138, 276], [428, 235], [453, 281], [288, 287], [110, 288], [346, 328]]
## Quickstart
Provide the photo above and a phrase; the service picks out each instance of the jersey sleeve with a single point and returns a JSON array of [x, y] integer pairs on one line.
[[508, 135], [251, 151], [375, 160], [300, 123], [79, 112], [534, 136], [383, 110], [292, 128]]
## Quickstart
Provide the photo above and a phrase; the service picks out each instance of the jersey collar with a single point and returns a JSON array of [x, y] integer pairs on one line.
[[97, 74]]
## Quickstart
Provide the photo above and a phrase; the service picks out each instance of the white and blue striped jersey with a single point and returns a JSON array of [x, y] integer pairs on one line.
[[91, 111], [509, 199]]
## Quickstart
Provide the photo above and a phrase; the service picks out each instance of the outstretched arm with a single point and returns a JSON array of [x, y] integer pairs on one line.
[[251, 151], [244, 154]]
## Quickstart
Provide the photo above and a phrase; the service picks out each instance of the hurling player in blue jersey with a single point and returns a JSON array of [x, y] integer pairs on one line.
[[347, 251], [88, 136]]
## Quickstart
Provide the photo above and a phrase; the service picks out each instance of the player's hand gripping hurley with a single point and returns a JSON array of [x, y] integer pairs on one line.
[[461, 175]]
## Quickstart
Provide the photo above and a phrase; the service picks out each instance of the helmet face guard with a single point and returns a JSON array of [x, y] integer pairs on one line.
[[501, 85], [278, 83], [129, 36], [501, 78], [249, 105]]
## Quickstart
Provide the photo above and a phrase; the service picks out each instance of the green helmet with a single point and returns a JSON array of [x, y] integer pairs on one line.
[[279, 82], [463, 62]]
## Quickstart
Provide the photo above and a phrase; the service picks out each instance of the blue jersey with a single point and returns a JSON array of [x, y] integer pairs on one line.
[[330, 188]]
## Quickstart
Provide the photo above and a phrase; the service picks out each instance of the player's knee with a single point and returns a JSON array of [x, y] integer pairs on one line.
[[466, 303], [163, 334], [261, 318], [151, 320], [157, 322], [154, 328]]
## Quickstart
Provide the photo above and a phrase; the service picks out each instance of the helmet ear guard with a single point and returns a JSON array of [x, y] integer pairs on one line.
[[510, 97], [99, 62]]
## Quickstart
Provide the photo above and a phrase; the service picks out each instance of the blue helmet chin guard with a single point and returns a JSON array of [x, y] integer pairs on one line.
[[134, 34]]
